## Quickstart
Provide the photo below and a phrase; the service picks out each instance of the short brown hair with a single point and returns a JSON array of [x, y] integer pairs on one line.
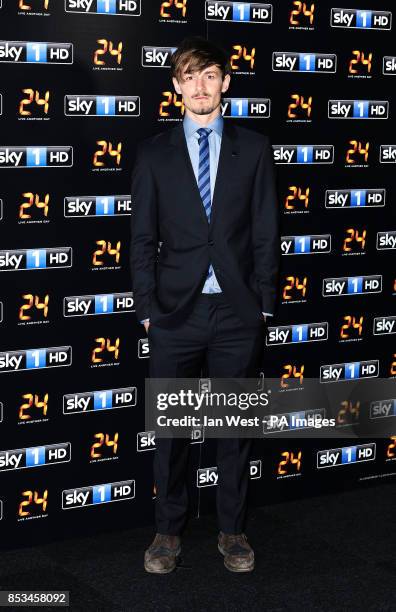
[[197, 53]]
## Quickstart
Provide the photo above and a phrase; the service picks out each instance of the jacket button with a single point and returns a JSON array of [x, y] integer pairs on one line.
[[211, 243]]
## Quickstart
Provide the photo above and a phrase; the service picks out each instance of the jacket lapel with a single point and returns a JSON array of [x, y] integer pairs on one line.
[[229, 151]]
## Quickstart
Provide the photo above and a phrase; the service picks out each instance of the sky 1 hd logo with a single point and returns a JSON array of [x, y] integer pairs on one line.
[[101, 106], [246, 108], [358, 109], [97, 206], [338, 372], [354, 198], [362, 19], [306, 245], [35, 456], [239, 12], [303, 154], [384, 325], [97, 304], [290, 61], [387, 154], [389, 64], [386, 240], [98, 494], [36, 52], [295, 334], [351, 285], [346, 455], [145, 441], [157, 57], [106, 399], [382, 408], [126, 8], [143, 348], [208, 477], [35, 259], [35, 359], [36, 157]]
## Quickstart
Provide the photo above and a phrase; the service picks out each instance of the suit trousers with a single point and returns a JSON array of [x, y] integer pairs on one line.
[[212, 332]]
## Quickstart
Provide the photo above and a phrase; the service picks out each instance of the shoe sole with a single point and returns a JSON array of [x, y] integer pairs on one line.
[[164, 571], [232, 569]]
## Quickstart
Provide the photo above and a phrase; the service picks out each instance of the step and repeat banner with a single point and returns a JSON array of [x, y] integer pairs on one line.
[[83, 81]]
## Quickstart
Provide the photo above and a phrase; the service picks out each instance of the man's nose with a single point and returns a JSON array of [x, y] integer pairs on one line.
[[199, 83]]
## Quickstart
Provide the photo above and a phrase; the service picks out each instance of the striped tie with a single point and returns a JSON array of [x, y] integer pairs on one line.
[[204, 176]]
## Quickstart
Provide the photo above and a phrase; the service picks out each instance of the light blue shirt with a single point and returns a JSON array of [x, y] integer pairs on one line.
[[190, 131]]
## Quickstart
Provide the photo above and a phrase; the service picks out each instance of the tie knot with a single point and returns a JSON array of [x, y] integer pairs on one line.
[[203, 132]]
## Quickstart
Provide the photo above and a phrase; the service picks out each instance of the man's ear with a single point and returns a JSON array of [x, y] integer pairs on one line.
[[176, 85], [226, 83]]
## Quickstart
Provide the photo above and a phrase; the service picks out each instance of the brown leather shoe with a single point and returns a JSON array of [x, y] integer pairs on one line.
[[238, 554], [161, 555]]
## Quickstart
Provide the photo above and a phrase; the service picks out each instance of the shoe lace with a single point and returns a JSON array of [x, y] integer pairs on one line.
[[235, 543], [236, 538], [164, 541]]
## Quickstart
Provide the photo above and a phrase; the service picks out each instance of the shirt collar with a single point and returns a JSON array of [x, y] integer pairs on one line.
[[190, 126]]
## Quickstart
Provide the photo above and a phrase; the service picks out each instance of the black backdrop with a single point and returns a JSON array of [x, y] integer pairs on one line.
[[104, 348]]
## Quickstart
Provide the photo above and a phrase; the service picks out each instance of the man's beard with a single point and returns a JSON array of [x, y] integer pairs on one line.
[[204, 110]]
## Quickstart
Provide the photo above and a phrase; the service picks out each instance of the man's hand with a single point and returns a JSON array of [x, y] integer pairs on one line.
[[265, 318], [146, 325]]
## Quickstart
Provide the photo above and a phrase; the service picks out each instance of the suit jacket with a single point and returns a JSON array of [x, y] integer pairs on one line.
[[172, 242]]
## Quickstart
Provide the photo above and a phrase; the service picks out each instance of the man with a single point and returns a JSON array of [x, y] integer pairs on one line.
[[205, 192]]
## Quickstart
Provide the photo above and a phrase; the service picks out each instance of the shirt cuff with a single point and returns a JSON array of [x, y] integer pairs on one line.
[[144, 320], [268, 314]]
